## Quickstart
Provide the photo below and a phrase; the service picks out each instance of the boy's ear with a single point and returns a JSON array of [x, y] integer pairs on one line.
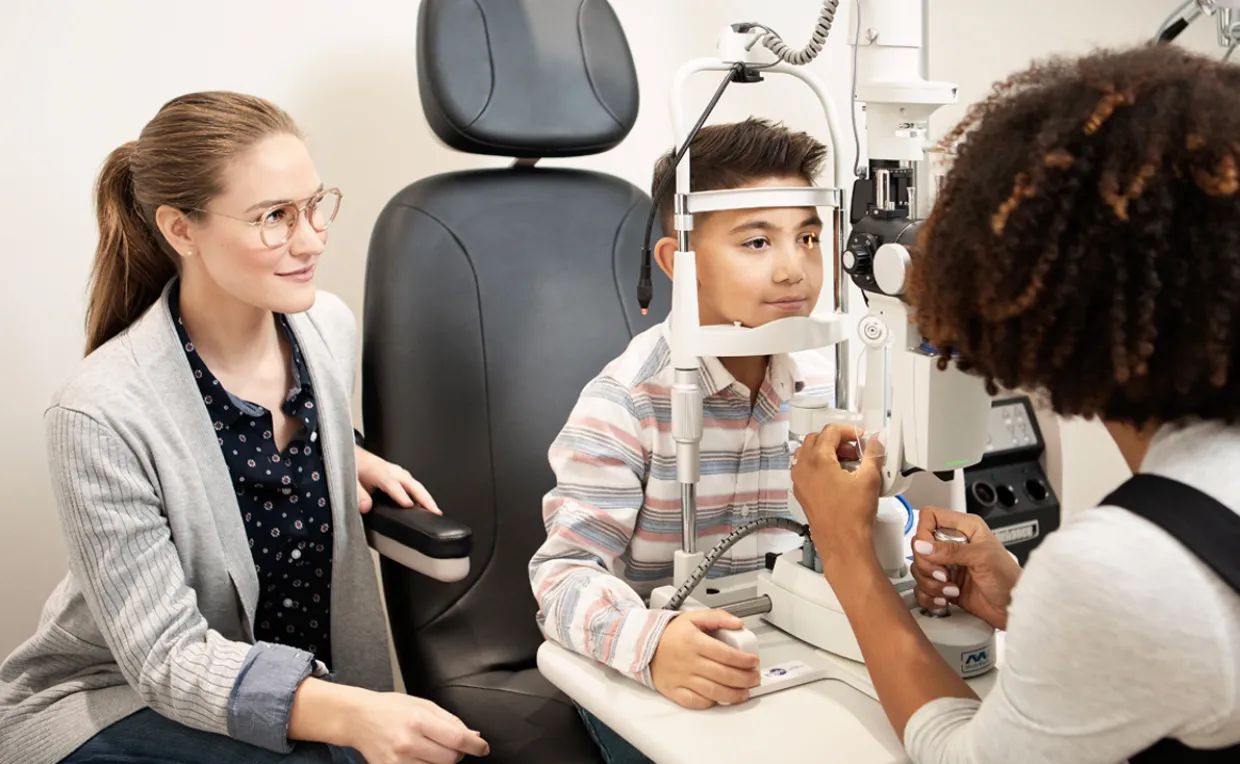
[[665, 254]]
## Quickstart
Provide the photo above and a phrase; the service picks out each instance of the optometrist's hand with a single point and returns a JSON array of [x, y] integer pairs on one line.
[[841, 506], [986, 570], [392, 479]]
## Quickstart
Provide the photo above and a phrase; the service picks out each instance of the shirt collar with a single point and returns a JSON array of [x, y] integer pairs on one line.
[[228, 408]]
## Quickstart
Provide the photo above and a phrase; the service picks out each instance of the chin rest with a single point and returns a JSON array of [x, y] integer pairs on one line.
[[492, 297], [424, 542]]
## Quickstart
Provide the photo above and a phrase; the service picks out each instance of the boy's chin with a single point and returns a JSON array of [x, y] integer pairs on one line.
[[768, 313]]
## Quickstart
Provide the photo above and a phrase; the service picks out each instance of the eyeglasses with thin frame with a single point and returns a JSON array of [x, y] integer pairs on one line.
[[276, 223]]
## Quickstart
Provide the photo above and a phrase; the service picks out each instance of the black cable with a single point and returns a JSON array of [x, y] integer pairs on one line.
[[726, 543], [645, 288], [1173, 31]]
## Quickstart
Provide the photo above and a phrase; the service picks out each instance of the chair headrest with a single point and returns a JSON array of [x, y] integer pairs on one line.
[[526, 78]]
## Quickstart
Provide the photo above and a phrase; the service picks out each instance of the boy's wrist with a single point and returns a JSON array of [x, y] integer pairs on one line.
[[644, 672]]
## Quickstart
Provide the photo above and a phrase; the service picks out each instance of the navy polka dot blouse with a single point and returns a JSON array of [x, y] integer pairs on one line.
[[283, 498]]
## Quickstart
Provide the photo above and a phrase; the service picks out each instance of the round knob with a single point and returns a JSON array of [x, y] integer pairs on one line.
[[891, 265], [858, 259], [873, 331]]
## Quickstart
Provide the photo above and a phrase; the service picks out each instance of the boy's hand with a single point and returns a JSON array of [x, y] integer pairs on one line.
[[696, 670]]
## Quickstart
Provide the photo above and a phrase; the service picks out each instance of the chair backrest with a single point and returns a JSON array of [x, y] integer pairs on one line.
[[492, 298]]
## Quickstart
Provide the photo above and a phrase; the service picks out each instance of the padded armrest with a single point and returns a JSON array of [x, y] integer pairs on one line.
[[430, 544]]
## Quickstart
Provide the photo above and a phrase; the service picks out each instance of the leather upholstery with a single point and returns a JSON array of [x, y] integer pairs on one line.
[[526, 78], [492, 298], [436, 536]]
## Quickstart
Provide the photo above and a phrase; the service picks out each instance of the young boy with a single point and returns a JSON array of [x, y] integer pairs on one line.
[[614, 519]]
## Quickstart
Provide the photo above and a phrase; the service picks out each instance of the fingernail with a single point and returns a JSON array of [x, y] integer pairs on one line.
[[940, 576], [923, 547], [940, 602], [951, 591]]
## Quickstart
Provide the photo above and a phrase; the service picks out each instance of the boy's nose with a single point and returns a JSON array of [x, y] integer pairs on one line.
[[789, 266]]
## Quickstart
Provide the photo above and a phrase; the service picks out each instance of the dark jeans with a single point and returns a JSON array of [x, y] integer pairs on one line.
[[148, 738], [615, 749]]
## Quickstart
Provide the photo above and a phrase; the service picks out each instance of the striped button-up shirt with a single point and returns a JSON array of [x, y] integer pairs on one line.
[[614, 521]]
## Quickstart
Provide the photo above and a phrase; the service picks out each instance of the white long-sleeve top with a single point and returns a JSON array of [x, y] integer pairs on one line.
[[1118, 636]]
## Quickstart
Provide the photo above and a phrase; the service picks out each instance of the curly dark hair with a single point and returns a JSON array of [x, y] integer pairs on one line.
[[1086, 242]]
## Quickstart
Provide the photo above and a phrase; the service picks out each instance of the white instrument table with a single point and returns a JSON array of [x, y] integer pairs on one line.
[[819, 723]]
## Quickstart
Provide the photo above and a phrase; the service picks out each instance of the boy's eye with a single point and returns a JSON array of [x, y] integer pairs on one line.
[[809, 240], [759, 243]]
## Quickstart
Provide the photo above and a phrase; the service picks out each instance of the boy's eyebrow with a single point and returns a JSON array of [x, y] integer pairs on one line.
[[752, 225], [763, 225]]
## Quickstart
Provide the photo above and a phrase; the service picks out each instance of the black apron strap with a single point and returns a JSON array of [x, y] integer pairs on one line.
[[1210, 531], [1207, 528]]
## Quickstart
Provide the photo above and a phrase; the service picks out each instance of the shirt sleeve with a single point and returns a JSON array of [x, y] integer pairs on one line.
[[121, 554], [1104, 656], [600, 466]]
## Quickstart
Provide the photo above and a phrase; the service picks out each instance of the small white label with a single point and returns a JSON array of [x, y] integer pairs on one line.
[[785, 670], [912, 130], [1014, 534]]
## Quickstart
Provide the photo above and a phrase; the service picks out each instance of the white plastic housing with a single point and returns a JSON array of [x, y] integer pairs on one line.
[[763, 197], [945, 429], [898, 100], [937, 419], [809, 413], [889, 537], [448, 571], [804, 605]]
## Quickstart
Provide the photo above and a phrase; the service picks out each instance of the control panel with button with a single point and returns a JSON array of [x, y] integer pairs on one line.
[[1009, 488]]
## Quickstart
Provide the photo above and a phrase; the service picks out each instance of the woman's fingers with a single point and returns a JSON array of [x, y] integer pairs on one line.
[[364, 502], [420, 495], [930, 602], [923, 569], [933, 587], [391, 485]]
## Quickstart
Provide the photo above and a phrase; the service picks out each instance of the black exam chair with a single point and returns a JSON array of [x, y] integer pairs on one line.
[[492, 297]]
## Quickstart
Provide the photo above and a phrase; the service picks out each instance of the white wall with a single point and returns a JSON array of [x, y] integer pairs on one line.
[[80, 81]]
